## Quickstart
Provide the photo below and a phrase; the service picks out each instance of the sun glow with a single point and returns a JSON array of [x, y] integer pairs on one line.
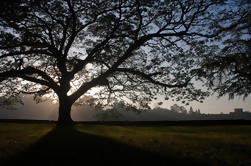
[[75, 85]]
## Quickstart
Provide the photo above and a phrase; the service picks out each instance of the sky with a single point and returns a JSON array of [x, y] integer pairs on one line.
[[214, 105]]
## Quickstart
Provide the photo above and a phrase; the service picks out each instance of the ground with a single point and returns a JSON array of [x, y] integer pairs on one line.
[[115, 144]]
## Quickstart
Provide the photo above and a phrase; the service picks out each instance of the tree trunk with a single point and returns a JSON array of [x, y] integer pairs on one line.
[[64, 115]]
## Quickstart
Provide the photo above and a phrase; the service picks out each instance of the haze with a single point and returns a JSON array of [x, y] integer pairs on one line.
[[49, 111]]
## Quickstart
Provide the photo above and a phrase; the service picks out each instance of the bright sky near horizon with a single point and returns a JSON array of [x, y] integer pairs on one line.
[[214, 105]]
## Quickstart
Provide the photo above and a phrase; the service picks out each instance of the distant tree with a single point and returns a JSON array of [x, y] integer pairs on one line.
[[130, 49], [10, 103], [183, 110], [124, 107], [109, 115], [175, 108], [115, 112], [178, 109], [191, 110]]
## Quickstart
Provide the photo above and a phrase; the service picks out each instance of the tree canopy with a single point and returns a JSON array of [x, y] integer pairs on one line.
[[228, 69], [132, 50]]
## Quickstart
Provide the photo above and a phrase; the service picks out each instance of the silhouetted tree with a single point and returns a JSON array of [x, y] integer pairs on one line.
[[228, 69], [131, 49]]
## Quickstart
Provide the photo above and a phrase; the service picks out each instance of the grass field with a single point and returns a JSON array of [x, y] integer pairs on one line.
[[88, 144]]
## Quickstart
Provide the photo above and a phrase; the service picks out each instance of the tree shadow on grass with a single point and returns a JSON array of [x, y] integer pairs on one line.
[[66, 146]]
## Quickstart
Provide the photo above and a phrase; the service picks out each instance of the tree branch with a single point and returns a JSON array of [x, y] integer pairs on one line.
[[35, 92], [26, 53], [150, 79], [25, 74], [215, 34]]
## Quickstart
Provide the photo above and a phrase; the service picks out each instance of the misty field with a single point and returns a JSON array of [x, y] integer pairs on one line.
[[85, 144]]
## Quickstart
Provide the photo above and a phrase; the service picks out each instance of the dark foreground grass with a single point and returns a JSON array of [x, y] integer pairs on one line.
[[83, 144]]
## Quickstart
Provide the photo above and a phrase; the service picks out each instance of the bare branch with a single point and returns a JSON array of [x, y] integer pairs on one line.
[[150, 79]]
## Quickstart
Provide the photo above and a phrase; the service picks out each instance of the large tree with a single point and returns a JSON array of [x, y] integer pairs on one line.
[[132, 49]]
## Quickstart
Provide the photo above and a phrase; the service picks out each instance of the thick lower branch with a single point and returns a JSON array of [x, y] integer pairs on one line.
[[86, 86], [26, 75]]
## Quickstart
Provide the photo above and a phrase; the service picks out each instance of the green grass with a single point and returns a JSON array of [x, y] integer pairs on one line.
[[16, 137], [48, 144], [215, 145]]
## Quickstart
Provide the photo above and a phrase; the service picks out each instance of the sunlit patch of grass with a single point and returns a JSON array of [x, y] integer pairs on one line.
[[16, 137], [216, 145]]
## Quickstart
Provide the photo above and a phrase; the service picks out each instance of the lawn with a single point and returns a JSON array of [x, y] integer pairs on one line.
[[85, 144]]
